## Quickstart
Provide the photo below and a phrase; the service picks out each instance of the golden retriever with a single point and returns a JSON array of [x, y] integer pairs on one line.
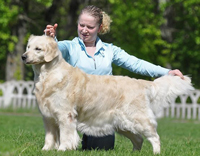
[[70, 100]]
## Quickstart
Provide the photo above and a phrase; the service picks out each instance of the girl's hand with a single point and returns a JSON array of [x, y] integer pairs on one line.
[[51, 30], [176, 72]]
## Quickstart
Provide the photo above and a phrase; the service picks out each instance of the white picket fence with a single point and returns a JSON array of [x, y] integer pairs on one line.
[[187, 106], [19, 94]]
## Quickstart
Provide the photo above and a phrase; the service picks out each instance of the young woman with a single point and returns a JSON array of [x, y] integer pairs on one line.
[[94, 56]]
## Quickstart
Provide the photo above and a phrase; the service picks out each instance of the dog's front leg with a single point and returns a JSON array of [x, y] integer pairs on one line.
[[69, 137], [51, 134]]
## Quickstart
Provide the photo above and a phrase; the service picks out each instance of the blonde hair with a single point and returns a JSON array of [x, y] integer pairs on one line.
[[103, 19]]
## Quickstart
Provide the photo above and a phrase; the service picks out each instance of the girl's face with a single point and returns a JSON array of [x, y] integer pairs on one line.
[[88, 28]]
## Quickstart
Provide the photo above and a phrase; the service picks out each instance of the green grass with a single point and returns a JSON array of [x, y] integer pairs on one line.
[[22, 134]]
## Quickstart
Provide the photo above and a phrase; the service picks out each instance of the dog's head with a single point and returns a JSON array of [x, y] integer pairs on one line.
[[40, 49]]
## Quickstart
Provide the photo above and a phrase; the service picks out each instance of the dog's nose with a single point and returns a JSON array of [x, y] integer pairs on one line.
[[24, 57]]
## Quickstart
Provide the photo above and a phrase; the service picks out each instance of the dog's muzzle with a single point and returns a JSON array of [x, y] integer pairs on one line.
[[24, 57]]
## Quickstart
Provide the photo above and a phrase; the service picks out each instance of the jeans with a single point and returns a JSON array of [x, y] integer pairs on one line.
[[91, 142]]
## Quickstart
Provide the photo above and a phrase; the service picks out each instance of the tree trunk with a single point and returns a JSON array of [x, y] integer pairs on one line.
[[167, 29], [14, 64]]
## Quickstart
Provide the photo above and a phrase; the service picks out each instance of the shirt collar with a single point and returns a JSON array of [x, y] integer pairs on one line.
[[100, 47]]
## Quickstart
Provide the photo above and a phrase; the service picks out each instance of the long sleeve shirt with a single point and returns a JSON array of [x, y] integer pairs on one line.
[[74, 52]]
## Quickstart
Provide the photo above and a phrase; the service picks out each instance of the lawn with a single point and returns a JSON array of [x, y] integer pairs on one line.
[[22, 134]]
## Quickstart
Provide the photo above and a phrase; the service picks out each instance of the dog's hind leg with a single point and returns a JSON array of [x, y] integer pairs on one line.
[[152, 136], [136, 139], [69, 137], [51, 134], [154, 139]]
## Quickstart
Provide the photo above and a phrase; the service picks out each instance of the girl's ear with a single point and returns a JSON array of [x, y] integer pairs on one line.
[[100, 27]]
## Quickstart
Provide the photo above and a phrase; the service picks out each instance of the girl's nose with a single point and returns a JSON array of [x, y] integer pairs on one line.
[[85, 29]]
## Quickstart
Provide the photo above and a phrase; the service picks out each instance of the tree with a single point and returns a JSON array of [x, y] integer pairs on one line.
[[136, 28], [161, 33], [7, 41], [31, 17], [25, 19], [185, 38]]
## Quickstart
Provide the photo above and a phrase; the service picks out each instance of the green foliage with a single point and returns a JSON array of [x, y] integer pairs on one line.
[[47, 3], [7, 41], [136, 28], [1, 92], [184, 49], [8, 15]]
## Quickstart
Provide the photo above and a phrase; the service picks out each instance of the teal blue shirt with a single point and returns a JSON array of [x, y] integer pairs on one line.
[[74, 52]]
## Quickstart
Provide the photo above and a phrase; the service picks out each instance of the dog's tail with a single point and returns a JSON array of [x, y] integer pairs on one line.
[[166, 89]]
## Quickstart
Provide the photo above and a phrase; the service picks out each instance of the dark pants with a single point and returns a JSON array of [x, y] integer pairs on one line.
[[91, 142]]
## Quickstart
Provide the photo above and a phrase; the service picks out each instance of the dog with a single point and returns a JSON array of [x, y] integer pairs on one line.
[[71, 100]]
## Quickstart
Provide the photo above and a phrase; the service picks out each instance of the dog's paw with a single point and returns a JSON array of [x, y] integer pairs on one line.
[[46, 148], [56, 146], [62, 148]]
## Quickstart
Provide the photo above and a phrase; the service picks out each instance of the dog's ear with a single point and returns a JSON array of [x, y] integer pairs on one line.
[[31, 37], [51, 50]]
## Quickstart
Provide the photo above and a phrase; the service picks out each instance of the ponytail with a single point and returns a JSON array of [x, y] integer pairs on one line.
[[105, 23]]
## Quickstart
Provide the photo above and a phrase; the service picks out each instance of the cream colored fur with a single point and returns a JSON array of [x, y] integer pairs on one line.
[[70, 100]]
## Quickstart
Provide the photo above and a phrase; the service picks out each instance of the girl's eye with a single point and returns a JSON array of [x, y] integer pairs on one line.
[[90, 27]]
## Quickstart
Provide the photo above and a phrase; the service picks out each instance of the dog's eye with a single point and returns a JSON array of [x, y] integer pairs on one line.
[[38, 49]]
